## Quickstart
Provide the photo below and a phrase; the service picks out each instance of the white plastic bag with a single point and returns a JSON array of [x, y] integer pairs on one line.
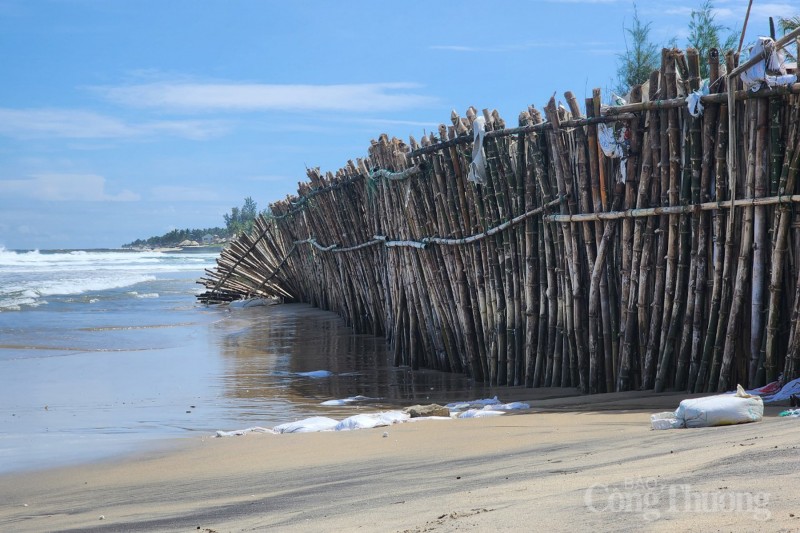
[[477, 169], [720, 410], [665, 420], [770, 71]]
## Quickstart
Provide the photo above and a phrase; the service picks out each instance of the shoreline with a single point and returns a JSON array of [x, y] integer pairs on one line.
[[499, 473]]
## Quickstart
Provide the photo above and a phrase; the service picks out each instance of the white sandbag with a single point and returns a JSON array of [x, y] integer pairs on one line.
[[307, 425], [457, 406], [240, 432], [372, 420], [720, 410], [513, 406], [480, 413]]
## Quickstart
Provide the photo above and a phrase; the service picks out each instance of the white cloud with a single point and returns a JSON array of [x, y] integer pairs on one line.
[[261, 97], [74, 124], [64, 187]]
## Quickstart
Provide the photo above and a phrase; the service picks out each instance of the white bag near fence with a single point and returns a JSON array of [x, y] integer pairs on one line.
[[720, 410]]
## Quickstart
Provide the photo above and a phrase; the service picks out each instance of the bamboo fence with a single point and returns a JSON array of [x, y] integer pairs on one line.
[[674, 266]]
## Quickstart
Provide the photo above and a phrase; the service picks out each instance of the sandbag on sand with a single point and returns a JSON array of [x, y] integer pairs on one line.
[[719, 410], [307, 425]]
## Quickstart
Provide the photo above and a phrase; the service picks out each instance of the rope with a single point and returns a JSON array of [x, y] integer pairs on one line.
[[423, 243], [378, 173]]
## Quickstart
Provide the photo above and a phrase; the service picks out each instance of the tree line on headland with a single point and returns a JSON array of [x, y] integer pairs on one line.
[[239, 220]]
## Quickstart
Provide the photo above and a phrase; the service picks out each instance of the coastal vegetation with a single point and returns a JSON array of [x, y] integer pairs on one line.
[[642, 56], [239, 220]]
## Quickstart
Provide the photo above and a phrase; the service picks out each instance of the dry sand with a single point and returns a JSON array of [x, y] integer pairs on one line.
[[571, 465]]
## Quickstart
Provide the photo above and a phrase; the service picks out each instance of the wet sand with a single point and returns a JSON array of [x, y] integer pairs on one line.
[[573, 464]]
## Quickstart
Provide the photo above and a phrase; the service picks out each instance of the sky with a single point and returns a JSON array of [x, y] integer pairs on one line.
[[122, 120]]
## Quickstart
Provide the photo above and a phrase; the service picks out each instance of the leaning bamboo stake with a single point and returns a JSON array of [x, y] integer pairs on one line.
[[647, 275], [594, 326], [626, 243], [673, 285], [759, 242], [594, 299], [783, 216], [701, 147], [743, 269], [630, 344], [593, 109], [698, 373], [651, 356], [576, 300], [710, 118], [532, 270]]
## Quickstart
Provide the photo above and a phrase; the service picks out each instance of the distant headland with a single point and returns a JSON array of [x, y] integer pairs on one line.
[[239, 220]]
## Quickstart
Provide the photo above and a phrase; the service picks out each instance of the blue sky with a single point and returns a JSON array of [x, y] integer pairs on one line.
[[125, 119]]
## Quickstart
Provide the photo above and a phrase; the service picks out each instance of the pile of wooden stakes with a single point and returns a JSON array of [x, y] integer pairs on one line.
[[672, 266]]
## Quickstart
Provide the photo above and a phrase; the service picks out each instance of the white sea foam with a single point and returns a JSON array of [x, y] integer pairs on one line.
[[16, 262], [145, 295], [27, 277]]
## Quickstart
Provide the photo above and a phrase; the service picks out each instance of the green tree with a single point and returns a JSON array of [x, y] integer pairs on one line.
[[704, 34], [241, 219], [641, 57], [787, 25]]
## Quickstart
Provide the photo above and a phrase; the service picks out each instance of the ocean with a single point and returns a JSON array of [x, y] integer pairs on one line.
[[106, 352]]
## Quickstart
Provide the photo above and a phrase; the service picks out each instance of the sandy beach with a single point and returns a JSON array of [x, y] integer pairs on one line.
[[568, 464]]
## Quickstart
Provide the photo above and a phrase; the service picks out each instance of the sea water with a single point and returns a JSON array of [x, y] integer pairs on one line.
[[103, 352]]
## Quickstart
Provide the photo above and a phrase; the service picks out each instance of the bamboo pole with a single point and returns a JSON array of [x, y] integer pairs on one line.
[[760, 249], [575, 302], [783, 216], [743, 269], [691, 350], [700, 157], [673, 285]]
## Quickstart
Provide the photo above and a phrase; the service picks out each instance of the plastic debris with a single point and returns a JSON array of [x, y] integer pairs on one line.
[[795, 413], [348, 401], [774, 392], [477, 168], [665, 420], [316, 374], [770, 71], [693, 100], [614, 139]]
